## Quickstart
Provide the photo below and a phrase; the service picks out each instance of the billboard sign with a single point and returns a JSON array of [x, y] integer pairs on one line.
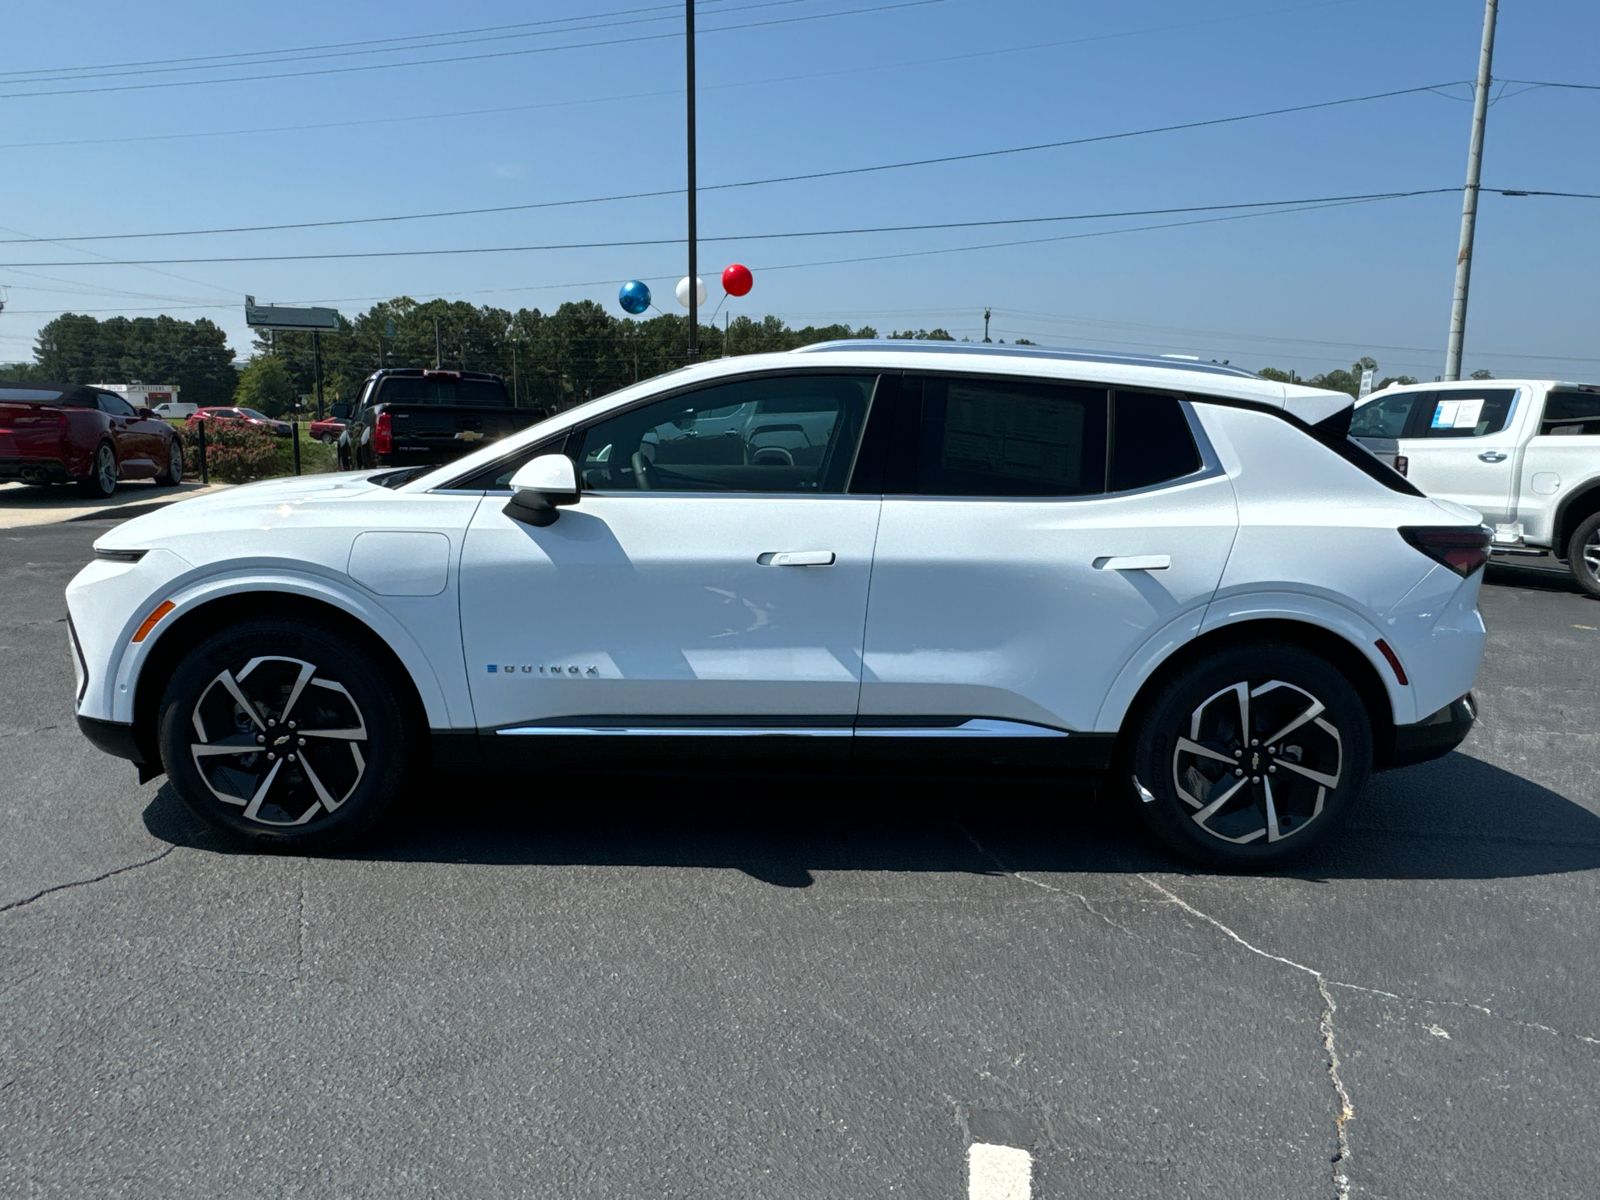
[[277, 316]]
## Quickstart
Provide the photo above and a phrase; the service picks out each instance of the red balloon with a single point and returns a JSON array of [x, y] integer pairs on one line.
[[736, 280]]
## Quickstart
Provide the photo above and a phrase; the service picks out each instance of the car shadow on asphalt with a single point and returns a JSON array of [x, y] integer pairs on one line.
[[1458, 818], [1549, 576]]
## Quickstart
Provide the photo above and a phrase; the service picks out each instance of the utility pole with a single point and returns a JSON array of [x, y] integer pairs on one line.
[[438, 353], [986, 324], [1469, 199], [694, 274]]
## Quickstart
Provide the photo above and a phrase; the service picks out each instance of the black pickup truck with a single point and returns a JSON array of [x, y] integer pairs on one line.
[[407, 416]]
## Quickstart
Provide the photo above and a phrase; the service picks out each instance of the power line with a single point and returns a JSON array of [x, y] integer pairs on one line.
[[504, 208], [205, 58], [750, 237], [652, 37], [868, 69], [272, 57]]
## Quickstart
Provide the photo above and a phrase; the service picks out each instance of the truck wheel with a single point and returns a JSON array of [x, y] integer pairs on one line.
[[101, 480], [1251, 755], [1583, 555], [275, 732]]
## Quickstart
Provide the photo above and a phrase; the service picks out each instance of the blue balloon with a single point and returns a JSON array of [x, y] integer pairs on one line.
[[634, 297]]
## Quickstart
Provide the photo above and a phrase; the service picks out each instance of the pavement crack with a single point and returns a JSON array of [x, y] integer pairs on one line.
[[1347, 1111], [1001, 866], [77, 883], [1481, 1009]]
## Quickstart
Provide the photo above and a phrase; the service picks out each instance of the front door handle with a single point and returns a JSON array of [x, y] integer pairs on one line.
[[796, 558], [1492, 456], [1138, 562]]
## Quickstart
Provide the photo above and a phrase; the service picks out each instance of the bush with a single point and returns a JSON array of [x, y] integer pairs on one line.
[[234, 453]]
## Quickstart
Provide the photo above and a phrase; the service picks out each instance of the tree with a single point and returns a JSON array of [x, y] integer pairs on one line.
[[264, 384], [923, 335], [76, 348], [1478, 374]]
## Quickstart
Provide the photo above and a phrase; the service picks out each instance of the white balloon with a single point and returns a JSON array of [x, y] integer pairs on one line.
[[683, 291]]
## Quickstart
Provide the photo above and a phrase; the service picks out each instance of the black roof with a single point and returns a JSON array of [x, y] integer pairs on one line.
[[70, 394]]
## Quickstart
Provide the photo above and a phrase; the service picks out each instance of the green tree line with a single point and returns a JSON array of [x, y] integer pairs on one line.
[[76, 348], [555, 359]]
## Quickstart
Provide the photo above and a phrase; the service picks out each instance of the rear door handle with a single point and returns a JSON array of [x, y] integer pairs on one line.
[[1492, 456], [796, 558], [1138, 562]]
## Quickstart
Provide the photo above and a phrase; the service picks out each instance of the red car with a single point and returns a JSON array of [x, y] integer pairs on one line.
[[328, 429], [240, 416], [67, 433]]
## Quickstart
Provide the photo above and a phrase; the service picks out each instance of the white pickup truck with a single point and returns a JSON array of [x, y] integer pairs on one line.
[[1524, 452]]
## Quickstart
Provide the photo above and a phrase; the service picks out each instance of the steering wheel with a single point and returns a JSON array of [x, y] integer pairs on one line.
[[643, 472]]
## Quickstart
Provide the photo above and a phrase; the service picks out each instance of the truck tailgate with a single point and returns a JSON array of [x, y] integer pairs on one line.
[[445, 429]]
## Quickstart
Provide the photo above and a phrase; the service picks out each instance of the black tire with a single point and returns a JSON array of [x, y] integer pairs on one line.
[[1583, 555], [1272, 805], [173, 475], [324, 790], [101, 481], [328, 439]]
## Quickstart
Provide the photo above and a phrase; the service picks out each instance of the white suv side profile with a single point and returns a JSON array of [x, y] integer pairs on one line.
[[1173, 572]]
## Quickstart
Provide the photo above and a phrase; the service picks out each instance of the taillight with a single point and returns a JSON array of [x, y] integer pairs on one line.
[[1402, 464], [1462, 548], [382, 435], [18, 416]]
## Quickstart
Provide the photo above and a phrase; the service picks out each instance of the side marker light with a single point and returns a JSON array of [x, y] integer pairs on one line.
[[153, 620], [1394, 662]]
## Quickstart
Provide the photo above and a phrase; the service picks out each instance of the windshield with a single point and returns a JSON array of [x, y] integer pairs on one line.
[[250, 412], [412, 390]]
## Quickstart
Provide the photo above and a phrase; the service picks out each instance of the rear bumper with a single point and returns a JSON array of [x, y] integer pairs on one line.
[[35, 470], [1435, 736]]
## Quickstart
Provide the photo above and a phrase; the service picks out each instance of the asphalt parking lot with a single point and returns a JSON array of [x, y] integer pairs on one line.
[[714, 984]]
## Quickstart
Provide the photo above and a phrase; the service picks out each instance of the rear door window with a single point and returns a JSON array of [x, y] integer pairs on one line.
[[1461, 412], [1571, 414], [999, 437], [1384, 418]]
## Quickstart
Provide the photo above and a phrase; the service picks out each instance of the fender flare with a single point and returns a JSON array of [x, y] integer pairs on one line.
[[1559, 531], [195, 593], [1324, 614]]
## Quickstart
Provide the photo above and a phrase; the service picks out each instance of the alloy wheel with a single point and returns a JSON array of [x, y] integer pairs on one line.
[[105, 469], [1258, 761], [1591, 557], [175, 461], [279, 740]]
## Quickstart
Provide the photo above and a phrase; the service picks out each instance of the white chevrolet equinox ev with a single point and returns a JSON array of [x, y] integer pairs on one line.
[[1170, 573]]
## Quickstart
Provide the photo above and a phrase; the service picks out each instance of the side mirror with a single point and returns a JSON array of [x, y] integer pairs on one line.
[[146, 413], [341, 410], [540, 487]]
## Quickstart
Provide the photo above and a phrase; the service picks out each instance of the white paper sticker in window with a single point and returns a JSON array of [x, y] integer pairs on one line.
[[1467, 414]]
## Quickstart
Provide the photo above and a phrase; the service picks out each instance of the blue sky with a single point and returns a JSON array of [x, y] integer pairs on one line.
[[1309, 290]]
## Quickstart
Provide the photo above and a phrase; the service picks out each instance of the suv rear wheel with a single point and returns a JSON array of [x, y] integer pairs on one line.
[[1250, 756], [274, 732], [1583, 555]]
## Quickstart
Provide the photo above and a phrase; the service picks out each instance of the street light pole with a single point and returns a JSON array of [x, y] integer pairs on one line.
[[1469, 199], [694, 275]]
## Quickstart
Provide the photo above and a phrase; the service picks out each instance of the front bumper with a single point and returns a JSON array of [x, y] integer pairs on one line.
[[1435, 736], [113, 737]]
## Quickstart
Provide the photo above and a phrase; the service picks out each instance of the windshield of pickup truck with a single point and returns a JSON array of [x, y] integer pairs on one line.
[[484, 392]]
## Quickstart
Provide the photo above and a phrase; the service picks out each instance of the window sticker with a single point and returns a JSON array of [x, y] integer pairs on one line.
[[1457, 414]]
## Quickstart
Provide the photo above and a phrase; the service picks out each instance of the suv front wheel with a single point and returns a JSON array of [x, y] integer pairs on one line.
[[1249, 756], [273, 732]]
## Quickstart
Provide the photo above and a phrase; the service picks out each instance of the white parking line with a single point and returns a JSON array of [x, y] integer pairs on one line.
[[998, 1173]]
